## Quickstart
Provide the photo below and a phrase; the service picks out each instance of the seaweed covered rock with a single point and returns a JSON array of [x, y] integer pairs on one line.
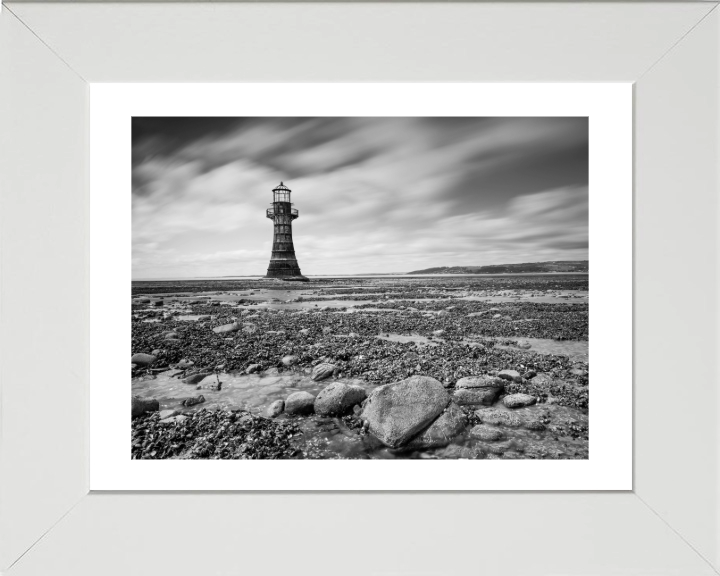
[[396, 412], [213, 434], [338, 398], [322, 371]]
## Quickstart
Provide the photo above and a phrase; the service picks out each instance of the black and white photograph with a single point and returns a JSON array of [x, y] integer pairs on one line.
[[360, 288]]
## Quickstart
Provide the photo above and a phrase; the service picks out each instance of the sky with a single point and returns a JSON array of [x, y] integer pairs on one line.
[[375, 195]]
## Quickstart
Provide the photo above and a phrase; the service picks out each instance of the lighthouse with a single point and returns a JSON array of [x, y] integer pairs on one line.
[[283, 263]]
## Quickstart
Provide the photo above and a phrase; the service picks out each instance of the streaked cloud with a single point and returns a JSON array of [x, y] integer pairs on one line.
[[374, 194]]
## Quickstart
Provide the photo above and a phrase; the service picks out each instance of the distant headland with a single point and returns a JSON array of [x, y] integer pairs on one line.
[[554, 266]]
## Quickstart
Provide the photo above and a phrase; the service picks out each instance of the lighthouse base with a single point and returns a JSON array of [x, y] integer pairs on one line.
[[285, 270], [289, 278]]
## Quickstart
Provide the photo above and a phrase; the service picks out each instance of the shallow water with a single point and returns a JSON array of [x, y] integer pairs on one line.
[[404, 338], [554, 297], [330, 438], [281, 299], [577, 350]]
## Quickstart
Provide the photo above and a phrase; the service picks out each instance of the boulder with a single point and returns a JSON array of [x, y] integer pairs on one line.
[[289, 360], [338, 398], [183, 364], [519, 400], [438, 332], [530, 374], [226, 328], [486, 433], [196, 378], [253, 368], [142, 406], [299, 403], [275, 409], [480, 382], [442, 431], [322, 371], [142, 360], [396, 412], [524, 344], [512, 375], [473, 396]]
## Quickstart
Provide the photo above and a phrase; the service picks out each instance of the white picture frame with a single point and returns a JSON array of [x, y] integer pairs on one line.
[[50, 523]]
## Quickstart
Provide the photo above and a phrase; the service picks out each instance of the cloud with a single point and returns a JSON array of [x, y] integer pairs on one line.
[[374, 194]]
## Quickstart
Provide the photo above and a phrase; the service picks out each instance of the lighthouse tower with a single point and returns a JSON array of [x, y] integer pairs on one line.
[[283, 263]]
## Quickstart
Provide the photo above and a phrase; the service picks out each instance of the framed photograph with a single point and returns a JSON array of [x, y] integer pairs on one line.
[[352, 272], [401, 365]]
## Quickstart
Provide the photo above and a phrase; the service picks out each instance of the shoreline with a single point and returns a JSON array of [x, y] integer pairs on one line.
[[256, 355]]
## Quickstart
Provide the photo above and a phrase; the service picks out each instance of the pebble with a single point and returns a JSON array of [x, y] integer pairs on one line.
[[486, 433], [193, 401], [519, 400], [143, 360], [275, 409], [196, 378], [513, 375], [322, 371], [338, 398], [299, 403], [289, 360], [225, 328]]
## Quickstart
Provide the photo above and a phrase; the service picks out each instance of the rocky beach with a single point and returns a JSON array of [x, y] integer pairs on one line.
[[437, 367]]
